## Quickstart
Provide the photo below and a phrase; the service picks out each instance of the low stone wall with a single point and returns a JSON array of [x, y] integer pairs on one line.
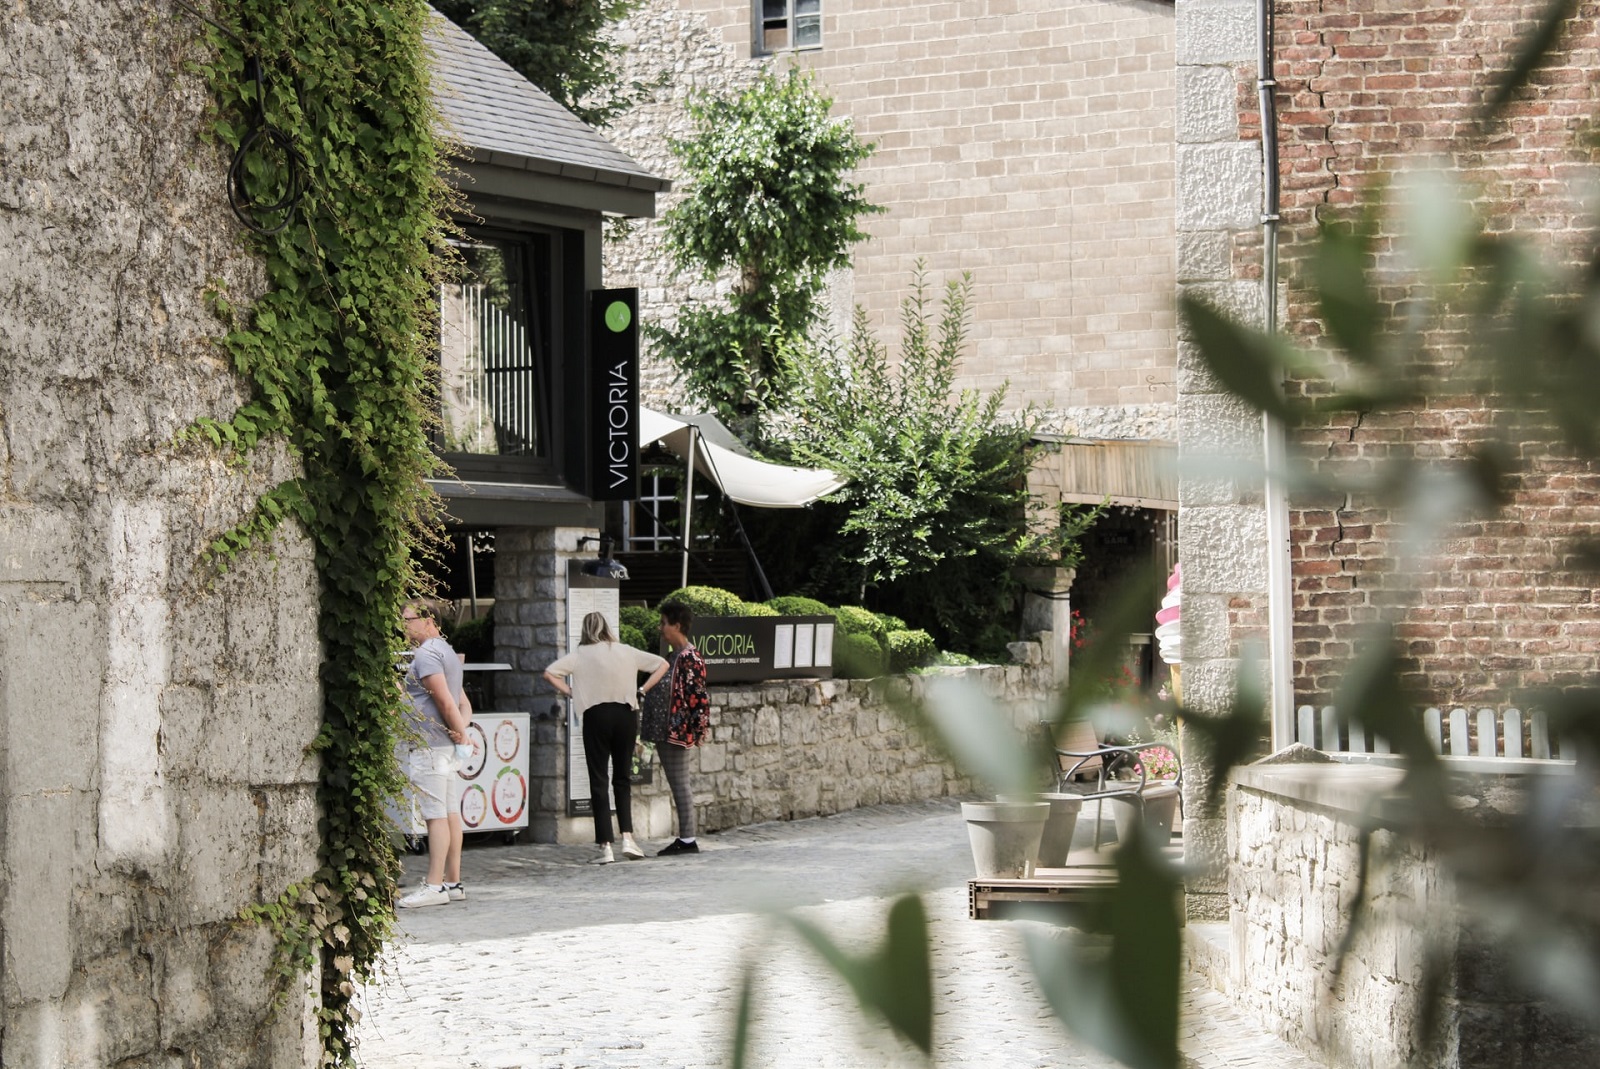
[[1294, 853], [793, 749]]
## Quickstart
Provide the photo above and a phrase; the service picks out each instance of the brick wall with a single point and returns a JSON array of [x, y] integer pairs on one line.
[[1364, 88], [1027, 142]]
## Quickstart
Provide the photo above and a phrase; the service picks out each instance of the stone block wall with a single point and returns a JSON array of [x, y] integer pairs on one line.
[[1027, 142], [154, 716], [1221, 519], [787, 750], [1294, 852]]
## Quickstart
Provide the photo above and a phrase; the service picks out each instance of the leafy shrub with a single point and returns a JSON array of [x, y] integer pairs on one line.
[[794, 605], [707, 601], [891, 622], [639, 640], [946, 659], [475, 638], [857, 656], [755, 608], [854, 620], [909, 649], [644, 619]]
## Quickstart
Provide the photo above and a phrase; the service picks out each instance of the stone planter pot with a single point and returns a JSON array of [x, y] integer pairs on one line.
[[1056, 842], [1005, 836], [1160, 810]]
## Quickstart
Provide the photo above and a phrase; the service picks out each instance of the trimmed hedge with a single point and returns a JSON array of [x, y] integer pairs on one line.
[[707, 601], [755, 608], [854, 620], [795, 605], [857, 656], [639, 640], [891, 622], [909, 649], [646, 620]]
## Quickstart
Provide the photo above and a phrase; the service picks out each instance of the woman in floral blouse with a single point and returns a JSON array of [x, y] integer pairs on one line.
[[690, 717]]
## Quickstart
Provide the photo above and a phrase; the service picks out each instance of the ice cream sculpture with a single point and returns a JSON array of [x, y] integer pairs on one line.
[[1169, 632]]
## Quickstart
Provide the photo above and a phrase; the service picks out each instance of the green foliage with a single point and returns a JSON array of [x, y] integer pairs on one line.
[[858, 656], [794, 605], [768, 199], [337, 354], [638, 616], [637, 638], [909, 649], [890, 622], [938, 494], [707, 601], [475, 638], [561, 46], [757, 609], [854, 620]]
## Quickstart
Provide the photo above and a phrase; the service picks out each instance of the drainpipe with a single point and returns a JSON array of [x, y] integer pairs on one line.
[[1280, 611]]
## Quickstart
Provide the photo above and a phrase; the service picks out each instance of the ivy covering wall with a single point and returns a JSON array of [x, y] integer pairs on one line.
[[338, 356]]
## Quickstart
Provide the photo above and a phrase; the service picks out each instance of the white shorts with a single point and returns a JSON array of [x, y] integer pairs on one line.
[[432, 773]]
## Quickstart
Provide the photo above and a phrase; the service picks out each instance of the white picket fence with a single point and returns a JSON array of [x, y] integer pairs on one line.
[[1486, 733]]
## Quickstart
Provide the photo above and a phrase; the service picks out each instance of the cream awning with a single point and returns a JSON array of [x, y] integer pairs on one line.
[[719, 456]]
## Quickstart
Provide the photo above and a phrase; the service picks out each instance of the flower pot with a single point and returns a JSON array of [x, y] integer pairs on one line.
[[1160, 809], [1056, 842], [1005, 836]]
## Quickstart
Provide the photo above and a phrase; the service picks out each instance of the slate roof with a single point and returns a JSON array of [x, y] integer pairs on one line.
[[505, 119]]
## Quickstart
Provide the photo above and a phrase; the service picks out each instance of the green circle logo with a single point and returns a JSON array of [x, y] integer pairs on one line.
[[618, 316]]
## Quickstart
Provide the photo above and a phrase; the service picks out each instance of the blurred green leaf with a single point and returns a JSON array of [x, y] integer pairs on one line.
[[1132, 610], [978, 733], [1372, 694], [897, 981], [1349, 307], [743, 1014], [1246, 362], [1122, 999], [1232, 739], [1532, 51]]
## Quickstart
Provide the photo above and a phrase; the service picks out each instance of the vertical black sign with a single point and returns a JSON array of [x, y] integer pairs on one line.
[[614, 395]]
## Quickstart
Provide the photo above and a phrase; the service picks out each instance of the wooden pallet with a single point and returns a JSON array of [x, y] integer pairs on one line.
[[1088, 877]]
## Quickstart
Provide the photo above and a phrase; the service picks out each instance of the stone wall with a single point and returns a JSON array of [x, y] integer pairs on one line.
[[154, 716], [788, 750], [1028, 142], [1294, 852], [1221, 520]]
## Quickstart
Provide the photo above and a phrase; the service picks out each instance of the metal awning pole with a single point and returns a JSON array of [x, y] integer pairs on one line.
[[472, 578], [688, 507]]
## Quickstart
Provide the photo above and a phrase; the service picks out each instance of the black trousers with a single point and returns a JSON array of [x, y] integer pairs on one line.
[[609, 732]]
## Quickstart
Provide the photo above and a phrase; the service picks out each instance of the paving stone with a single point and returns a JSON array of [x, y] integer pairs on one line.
[[553, 963]]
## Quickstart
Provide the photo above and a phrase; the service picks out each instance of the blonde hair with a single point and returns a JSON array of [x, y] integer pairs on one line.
[[595, 629]]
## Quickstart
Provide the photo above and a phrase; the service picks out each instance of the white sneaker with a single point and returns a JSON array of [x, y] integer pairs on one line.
[[605, 857], [631, 851], [426, 895], [457, 891]]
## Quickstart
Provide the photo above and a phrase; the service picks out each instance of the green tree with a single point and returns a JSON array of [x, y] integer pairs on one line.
[[771, 201], [560, 46], [937, 502]]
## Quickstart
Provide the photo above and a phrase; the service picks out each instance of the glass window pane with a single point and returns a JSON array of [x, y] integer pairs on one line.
[[808, 31], [489, 378], [774, 9], [808, 7]]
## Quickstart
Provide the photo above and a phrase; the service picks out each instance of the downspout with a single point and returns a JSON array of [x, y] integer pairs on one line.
[[1280, 609]]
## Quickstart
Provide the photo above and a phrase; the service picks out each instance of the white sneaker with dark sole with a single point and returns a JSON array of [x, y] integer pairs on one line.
[[426, 895], [456, 891]]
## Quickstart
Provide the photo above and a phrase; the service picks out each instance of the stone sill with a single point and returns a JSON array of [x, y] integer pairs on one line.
[[1367, 785]]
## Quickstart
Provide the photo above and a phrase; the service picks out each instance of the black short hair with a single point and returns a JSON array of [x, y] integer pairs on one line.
[[677, 614]]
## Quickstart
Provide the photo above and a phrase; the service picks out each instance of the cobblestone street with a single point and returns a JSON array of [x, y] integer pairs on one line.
[[552, 962]]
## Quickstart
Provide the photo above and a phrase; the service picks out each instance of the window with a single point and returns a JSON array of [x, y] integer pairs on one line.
[[495, 343], [785, 24], [652, 522]]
